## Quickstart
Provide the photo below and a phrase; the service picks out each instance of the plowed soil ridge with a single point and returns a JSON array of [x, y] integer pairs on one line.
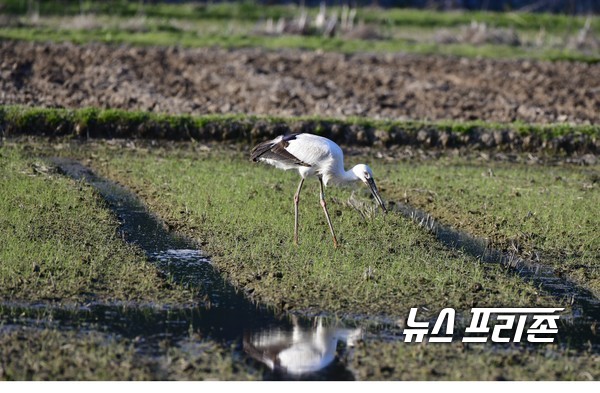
[[298, 83]]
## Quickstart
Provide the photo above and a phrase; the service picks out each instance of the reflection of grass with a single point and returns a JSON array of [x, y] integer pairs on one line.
[[241, 213], [59, 243], [550, 212], [192, 39]]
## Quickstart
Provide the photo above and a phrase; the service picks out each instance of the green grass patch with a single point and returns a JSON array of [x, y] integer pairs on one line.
[[60, 243], [224, 39], [29, 354], [541, 212], [242, 215], [383, 361], [519, 20], [125, 8]]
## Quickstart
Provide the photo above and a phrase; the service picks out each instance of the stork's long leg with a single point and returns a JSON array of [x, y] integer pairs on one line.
[[322, 198], [296, 201]]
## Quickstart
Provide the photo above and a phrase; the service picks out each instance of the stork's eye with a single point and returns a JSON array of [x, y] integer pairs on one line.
[[367, 176]]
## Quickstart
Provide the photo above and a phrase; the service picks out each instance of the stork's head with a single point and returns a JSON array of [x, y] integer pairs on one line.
[[365, 174]]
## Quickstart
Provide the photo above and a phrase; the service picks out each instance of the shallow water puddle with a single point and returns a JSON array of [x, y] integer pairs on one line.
[[296, 348]]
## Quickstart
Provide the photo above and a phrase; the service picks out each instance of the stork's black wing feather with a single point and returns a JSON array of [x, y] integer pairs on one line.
[[275, 150], [265, 353]]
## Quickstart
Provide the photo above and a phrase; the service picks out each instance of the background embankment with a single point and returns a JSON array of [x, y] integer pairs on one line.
[[97, 123]]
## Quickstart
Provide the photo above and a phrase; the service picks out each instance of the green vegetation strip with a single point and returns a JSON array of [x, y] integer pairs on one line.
[[59, 242], [252, 11], [237, 25], [241, 213], [110, 123], [224, 39]]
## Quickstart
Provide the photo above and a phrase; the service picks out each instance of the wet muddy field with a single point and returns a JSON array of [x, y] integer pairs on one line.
[[264, 343], [288, 82]]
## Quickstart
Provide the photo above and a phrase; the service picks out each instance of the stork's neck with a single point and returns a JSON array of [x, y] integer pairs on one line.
[[341, 177], [349, 177]]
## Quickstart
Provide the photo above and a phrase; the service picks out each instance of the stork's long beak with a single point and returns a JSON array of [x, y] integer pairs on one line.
[[375, 192]]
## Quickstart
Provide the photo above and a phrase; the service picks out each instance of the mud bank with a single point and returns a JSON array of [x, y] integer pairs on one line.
[[96, 123]]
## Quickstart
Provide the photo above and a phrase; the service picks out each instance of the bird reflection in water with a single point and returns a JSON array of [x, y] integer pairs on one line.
[[301, 350]]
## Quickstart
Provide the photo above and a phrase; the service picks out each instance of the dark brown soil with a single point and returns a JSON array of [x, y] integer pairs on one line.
[[256, 81]]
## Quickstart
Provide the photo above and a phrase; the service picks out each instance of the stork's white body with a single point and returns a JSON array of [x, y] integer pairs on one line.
[[325, 158]]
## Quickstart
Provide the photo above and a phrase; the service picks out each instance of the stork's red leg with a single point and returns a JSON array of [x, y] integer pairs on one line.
[[322, 198], [296, 201]]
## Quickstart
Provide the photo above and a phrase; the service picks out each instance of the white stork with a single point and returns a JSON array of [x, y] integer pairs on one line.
[[314, 155]]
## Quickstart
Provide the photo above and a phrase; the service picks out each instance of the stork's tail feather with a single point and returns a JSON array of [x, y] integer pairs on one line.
[[276, 150], [260, 149]]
